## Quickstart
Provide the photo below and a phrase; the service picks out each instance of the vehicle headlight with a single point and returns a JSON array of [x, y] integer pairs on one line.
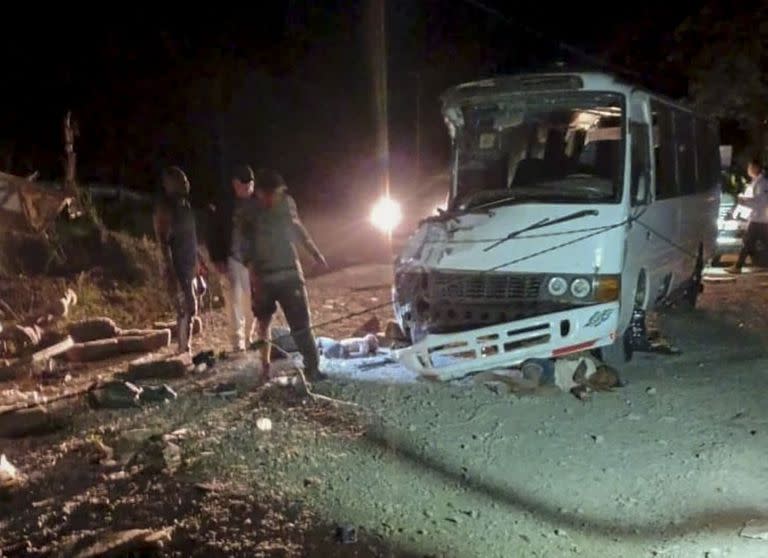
[[580, 288], [557, 286]]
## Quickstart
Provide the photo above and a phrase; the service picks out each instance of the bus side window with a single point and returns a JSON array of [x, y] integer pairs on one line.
[[664, 152], [686, 154], [641, 163]]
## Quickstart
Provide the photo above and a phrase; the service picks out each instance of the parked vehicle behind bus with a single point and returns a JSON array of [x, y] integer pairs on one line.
[[577, 203]]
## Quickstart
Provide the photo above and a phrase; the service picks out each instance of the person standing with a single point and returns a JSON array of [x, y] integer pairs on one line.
[[272, 229], [175, 231], [226, 250], [757, 228]]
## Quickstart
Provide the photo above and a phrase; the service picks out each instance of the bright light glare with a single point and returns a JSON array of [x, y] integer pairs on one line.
[[386, 215]]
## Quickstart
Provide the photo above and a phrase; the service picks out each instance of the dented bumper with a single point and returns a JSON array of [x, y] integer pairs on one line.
[[449, 356]]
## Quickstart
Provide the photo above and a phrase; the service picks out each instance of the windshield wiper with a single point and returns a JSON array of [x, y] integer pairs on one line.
[[543, 223]]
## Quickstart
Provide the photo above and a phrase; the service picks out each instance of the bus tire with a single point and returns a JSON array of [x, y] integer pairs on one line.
[[619, 352], [694, 285]]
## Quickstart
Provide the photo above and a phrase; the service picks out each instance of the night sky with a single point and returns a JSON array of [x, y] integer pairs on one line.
[[288, 86]]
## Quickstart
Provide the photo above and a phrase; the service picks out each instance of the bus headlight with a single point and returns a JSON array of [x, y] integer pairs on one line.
[[557, 286], [580, 288]]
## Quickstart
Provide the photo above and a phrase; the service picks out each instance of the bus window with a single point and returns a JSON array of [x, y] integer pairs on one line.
[[707, 155], [641, 163], [664, 151], [686, 153]]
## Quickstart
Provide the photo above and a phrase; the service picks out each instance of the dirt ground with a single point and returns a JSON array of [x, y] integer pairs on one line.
[[673, 464]]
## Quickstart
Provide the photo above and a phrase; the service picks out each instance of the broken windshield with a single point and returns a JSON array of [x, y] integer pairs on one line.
[[554, 148]]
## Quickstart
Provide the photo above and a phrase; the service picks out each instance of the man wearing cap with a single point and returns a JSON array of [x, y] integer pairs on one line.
[[226, 248], [272, 232]]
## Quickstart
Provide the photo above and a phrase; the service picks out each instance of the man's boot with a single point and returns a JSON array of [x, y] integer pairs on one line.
[[307, 346]]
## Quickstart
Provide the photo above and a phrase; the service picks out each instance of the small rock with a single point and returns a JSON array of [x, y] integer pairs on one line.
[[651, 391], [560, 533], [598, 439]]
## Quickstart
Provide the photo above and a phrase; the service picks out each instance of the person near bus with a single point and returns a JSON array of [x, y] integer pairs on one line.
[[757, 229]]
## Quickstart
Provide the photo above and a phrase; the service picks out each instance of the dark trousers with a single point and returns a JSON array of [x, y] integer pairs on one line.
[[186, 309], [291, 294], [755, 232]]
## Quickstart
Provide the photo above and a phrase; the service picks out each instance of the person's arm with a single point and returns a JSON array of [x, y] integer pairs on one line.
[[301, 234]]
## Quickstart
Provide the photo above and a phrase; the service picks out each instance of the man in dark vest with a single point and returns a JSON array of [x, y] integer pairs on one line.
[[174, 223]]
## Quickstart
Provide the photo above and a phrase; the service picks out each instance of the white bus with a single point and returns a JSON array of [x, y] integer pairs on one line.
[[577, 203]]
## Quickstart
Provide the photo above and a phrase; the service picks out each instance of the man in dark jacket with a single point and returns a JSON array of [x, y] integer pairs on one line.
[[226, 249], [174, 223], [272, 230]]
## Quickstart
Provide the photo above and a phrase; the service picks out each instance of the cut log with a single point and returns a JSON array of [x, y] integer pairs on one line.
[[176, 367], [145, 343], [137, 332], [93, 329], [53, 350], [94, 350], [33, 421]]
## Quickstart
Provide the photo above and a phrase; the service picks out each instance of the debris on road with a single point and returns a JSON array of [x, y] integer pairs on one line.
[[756, 529], [157, 394], [118, 543], [264, 424], [346, 534], [10, 477], [115, 395]]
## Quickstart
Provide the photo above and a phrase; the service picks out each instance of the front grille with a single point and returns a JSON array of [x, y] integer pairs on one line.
[[483, 287]]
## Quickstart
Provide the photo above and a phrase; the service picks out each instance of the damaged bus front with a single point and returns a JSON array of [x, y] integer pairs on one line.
[[546, 248]]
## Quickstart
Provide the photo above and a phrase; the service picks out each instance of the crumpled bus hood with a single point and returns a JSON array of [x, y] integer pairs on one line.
[[590, 244]]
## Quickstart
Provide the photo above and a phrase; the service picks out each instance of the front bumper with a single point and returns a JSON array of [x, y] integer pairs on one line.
[[450, 356]]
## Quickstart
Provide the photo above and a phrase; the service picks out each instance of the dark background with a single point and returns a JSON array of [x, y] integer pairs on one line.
[[289, 85]]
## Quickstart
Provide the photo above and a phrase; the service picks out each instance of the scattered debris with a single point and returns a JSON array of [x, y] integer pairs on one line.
[[157, 394], [264, 424], [119, 543], [158, 456], [115, 395], [10, 477], [223, 390], [394, 337], [204, 360], [756, 529], [371, 326], [100, 452], [346, 534]]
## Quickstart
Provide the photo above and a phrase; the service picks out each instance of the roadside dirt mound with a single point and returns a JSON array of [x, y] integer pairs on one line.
[[112, 273]]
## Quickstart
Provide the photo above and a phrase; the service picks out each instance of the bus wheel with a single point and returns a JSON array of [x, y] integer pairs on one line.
[[622, 349], [694, 286]]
